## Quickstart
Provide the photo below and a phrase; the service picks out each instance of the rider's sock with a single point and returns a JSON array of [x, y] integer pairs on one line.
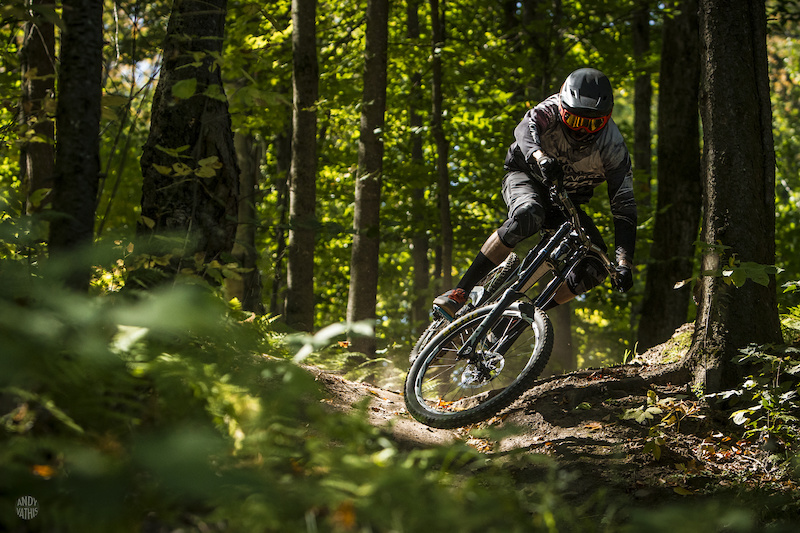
[[481, 266]]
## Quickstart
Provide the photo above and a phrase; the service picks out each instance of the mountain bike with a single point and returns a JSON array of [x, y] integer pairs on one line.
[[467, 370]]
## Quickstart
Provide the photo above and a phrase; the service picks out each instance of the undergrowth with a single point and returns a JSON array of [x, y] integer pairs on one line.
[[165, 409], [157, 410]]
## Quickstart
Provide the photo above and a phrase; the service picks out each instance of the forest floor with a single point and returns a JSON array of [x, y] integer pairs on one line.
[[627, 431]]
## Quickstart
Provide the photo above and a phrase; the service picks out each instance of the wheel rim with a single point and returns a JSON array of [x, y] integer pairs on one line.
[[448, 385]]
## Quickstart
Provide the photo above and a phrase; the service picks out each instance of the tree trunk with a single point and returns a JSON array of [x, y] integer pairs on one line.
[[665, 308], [37, 59], [442, 147], [361, 301], [420, 304], [303, 171], [191, 176], [77, 167], [283, 162], [642, 97], [562, 358], [543, 46], [248, 287], [739, 196]]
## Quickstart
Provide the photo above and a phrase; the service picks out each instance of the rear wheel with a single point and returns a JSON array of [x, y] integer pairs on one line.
[[488, 286], [445, 391], [430, 332]]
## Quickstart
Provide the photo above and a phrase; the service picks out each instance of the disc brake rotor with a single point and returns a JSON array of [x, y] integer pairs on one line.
[[473, 376]]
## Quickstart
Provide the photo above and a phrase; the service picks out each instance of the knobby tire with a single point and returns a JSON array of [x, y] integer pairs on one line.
[[443, 391]]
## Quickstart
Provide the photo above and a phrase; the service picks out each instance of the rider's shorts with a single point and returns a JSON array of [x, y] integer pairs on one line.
[[529, 200]]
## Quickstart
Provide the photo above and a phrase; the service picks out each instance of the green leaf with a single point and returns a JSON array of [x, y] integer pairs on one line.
[[37, 196], [207, 161], [184, 88], [653, 447], [174, 152], [181, 169], [107, 113], [161, 169], [215, 92], [114, 100], [205, 172], [741, 417]]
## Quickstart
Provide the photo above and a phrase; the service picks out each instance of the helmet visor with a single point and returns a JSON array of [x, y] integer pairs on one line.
[[578, 123]]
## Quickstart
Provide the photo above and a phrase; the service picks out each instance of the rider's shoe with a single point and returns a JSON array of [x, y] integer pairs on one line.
[[450, 302]]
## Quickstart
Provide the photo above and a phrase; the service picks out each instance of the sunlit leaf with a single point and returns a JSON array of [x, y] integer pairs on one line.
[[184, 88], [161, 169]]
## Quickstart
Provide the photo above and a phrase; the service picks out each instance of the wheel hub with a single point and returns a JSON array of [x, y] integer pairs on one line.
[[476, 375]]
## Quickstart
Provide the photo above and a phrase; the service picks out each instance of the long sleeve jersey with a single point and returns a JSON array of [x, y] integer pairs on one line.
[[585, 164]]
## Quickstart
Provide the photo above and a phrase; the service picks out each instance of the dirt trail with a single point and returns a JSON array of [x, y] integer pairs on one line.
[[586, 421]]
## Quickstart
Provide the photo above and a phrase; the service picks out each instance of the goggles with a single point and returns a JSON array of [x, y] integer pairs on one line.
[[577, 123]]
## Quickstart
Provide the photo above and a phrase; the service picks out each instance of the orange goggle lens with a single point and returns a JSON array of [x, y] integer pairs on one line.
[[577, 123]]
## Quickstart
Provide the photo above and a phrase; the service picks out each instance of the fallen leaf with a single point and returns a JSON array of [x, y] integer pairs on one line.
[[345, 516], [44, 471]]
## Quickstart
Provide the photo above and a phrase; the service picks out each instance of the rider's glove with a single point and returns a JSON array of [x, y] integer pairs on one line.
[[551, 170], [624, 277]]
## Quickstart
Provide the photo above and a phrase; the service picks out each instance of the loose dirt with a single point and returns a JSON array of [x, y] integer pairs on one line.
[[633, 430]]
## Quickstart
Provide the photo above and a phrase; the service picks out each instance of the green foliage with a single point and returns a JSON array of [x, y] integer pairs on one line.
[[174, 409], [773, 395], [671, 412], [170, 409], [737, 272], [784, 64], [493, 73]]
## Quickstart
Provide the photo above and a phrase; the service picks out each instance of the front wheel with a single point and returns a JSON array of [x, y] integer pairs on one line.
[[445, 391]]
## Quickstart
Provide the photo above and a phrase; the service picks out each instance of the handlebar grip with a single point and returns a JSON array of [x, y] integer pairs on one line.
[[615, 280]]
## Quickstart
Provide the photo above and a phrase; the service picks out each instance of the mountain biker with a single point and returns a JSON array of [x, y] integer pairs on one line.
[[571, 140]]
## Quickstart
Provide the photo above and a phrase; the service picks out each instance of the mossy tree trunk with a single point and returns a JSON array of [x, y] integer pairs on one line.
[[739, 199], [38, 64], [191, 176]]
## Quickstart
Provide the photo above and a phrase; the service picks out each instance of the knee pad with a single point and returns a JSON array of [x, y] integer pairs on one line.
[[588, 274], [525, 222]]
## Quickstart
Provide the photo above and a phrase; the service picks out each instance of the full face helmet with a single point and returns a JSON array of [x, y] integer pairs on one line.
[[585, 103]]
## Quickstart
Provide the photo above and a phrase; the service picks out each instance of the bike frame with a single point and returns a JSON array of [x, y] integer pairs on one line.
[[561, 253]]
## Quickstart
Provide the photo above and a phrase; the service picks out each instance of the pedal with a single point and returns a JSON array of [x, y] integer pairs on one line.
[[441, 313]]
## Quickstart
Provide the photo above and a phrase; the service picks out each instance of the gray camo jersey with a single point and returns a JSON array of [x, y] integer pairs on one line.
[[586, 165]]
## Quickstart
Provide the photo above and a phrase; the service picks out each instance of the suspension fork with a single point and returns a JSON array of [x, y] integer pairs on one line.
[[550, 290], [526, 270]]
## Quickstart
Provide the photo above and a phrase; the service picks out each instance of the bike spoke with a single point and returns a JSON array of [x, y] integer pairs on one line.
[[448, 380]]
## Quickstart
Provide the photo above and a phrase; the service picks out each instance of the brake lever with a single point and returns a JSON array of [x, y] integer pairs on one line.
[[557, 191]]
